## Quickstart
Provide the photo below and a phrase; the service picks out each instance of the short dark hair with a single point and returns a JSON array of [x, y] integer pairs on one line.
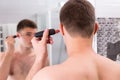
[[26, 23], [78, 17]]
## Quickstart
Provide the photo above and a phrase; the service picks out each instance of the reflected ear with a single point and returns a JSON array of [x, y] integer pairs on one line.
[[95, 28], [61, 29], [18, 34]]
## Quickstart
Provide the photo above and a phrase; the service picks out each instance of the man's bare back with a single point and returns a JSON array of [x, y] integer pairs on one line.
[[82, 67]]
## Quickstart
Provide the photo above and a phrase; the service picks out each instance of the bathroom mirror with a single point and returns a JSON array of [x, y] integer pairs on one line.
[[44, 12]]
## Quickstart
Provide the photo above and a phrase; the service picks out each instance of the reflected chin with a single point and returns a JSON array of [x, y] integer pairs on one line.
[[29, 45]]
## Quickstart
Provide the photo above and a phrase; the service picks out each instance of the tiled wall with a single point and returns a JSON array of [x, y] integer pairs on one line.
[[109, 32], [1, 39], [3, 34]]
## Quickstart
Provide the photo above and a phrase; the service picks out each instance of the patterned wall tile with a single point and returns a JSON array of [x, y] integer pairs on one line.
[[109, 31], [1, 40]]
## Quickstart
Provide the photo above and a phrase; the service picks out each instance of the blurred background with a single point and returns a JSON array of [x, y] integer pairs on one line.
[[46, 15]]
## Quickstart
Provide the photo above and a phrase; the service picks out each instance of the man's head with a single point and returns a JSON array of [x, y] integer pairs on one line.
[[78, 18], [25, 31], [26, 23]]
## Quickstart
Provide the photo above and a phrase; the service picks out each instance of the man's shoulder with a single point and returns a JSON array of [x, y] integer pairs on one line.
[[44, 74], [58, 72], [48, 73]]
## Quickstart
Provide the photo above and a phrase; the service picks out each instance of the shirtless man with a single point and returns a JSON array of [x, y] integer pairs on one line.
[[78, 26], [16, 62]]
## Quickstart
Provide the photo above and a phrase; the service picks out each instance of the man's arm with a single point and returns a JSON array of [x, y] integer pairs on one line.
[[6, 58], [37, 66], [5, 62], [40, 49]]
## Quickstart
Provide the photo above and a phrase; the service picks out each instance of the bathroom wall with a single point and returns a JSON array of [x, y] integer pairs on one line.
[[109, 32], [3, 34]]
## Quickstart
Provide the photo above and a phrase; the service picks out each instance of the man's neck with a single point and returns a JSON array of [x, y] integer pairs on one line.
[[79, 46], [24, 50]]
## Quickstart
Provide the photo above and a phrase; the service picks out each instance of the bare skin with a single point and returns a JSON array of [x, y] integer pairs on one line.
[[23, 56], [82, 63], [15, 63], [41, 59], [6, 58], [92, 67], [77, 26], [20, 66]]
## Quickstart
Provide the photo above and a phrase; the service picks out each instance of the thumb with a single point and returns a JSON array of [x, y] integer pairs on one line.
[[45, 35]]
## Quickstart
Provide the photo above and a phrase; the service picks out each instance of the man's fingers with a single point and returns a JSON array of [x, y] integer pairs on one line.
[[44, 39], [34, 40], [45, 35]]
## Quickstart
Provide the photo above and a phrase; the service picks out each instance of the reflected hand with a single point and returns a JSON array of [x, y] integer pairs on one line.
[[40, 45], [9, 42]]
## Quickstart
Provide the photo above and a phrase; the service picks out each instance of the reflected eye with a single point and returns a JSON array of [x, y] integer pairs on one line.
[[29, 34]]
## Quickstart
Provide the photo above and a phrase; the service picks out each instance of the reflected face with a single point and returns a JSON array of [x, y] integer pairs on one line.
[[25, 36]]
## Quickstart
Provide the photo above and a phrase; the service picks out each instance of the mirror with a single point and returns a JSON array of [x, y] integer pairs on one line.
[[44, 12]]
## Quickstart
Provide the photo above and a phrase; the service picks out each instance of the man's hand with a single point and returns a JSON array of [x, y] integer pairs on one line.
[[40, 49], [9, 42], [40, 45]]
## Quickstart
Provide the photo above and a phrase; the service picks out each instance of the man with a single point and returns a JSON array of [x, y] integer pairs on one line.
[[6, 58], [16, 62], [77, 26]]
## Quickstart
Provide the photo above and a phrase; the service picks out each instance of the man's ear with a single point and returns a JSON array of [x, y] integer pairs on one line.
[[95, 28], [17, 34], [61, 29]]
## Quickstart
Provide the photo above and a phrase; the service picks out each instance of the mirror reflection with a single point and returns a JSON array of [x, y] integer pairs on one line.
[[43, 12], [46, 15]]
